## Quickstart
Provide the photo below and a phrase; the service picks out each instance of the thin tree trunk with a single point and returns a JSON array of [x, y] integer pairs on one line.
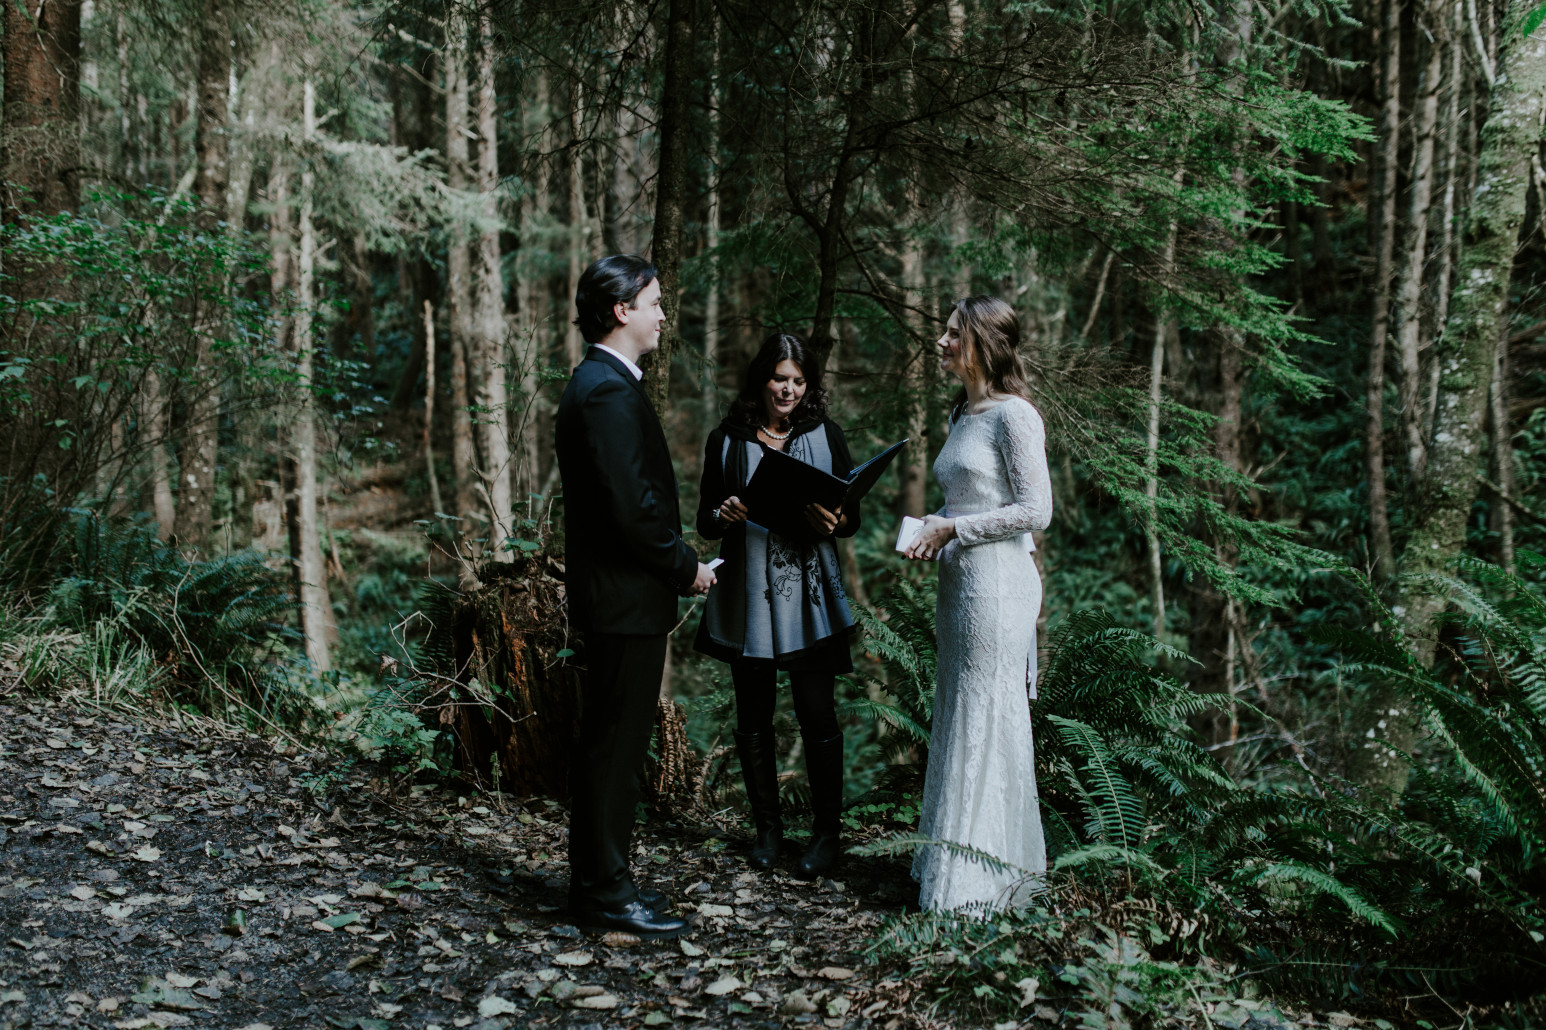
[[488, 317], [535, 294], [1387, 40], [1447, 247], [579, 218], [912, 497], [1466, 354], [1415, 249], [711, 243], [459, 275], [316, 608], [671, 193], [280, 261], [429, 408], [211, 148], [1164, 326], [157, 420], [1502, 454]]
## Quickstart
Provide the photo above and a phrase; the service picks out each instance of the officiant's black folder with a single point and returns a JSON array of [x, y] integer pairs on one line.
[[782, 486]]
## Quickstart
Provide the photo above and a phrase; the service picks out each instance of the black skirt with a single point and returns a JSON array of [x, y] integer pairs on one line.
[[833, 654]]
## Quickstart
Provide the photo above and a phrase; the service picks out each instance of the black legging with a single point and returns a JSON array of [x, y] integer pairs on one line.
[[756, 696]]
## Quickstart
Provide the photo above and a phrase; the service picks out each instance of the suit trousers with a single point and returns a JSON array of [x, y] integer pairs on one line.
[[618, 703]]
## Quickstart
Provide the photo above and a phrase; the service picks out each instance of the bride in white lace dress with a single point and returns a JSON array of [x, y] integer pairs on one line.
[[980, 789]]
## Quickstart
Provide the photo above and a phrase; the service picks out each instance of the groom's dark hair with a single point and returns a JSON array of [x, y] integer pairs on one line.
[[616, 279]]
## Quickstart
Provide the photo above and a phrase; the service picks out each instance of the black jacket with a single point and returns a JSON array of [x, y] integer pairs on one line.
[[720, 482], [625, 559]]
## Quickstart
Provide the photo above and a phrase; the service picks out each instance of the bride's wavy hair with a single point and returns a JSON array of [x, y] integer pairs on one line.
[[780, 347], [990, 348]]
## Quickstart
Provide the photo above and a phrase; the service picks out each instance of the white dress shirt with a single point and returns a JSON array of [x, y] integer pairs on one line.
[[638, 373]]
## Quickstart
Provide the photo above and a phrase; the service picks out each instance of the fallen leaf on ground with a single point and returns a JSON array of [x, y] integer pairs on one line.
[[597, 1001], [494, 1005]]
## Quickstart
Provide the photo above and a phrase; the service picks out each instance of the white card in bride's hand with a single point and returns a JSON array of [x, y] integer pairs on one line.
[[908, 533]]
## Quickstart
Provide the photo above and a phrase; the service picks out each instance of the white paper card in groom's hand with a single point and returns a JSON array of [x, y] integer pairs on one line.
[[716, 563], [908, 533]]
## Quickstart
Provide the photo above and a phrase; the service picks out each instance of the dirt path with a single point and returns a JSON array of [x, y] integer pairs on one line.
[[158, 874]]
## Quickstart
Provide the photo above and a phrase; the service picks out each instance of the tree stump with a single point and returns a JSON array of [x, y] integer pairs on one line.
[[514, 708], [514, 705]]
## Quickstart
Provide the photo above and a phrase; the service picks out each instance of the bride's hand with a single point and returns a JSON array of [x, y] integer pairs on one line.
[[932, 538]]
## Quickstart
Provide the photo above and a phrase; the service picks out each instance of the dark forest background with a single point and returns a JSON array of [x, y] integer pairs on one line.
[[286, 302]]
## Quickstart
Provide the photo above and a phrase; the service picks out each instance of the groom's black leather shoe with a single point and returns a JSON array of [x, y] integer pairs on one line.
[[633, 917], [654, 899]]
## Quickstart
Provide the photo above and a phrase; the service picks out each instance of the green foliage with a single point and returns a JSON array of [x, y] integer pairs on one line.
[[1303, 883], [128, 319], [215, 629]]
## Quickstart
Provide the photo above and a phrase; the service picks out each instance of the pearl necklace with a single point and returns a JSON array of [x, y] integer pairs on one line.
[[772, 435]]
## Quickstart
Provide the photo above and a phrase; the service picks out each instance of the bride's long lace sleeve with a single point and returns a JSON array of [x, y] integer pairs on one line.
[[1022, 440]]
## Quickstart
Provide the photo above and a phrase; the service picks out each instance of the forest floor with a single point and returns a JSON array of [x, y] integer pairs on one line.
[[130, 846], [163, 871]]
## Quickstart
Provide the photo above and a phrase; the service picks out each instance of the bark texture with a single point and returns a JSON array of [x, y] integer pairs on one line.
[[211, 146], [488, 314], [316, 607], [671, 193], [1387, 40], [1457, 447], [40, 145], [459, 275]]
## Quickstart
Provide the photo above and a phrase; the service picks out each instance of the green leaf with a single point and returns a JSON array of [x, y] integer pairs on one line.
[[342, 920]]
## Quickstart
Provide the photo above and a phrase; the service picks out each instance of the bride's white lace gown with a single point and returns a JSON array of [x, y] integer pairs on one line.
[[980, 789]]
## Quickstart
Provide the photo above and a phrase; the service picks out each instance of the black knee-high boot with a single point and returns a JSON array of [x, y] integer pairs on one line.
[[824, 769], [759, 768]]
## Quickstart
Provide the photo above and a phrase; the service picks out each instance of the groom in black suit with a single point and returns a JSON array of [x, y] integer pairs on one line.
[[625, 565]]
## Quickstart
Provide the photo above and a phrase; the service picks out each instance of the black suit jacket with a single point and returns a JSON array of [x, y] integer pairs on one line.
[[624, 556]]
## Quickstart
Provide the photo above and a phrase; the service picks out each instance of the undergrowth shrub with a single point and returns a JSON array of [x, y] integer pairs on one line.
[[208, 634], [1165, 870]]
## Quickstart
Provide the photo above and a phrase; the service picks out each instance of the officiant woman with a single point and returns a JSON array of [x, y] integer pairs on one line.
[[779, 606]]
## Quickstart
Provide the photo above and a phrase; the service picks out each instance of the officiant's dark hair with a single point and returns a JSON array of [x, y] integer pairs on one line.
[[990, 347], [616, 279], [777, 348]]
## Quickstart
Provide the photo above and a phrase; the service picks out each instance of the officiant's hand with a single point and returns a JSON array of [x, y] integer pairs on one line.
[[932, 538], [823, 521], [731, 511]]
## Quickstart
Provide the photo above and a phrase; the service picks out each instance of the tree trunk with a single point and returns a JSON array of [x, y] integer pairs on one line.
[[711, 244], [579, 215], [1502, 455], [158, 424], [488, 317], [40, 144], [1415, 249], [1164, 326], [1447, 248], [535, 296], [671, 193], [1382, 209], [912, 497], [316, 608], [429, 408], [459, 275], [1466, 354], [211, 147]]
